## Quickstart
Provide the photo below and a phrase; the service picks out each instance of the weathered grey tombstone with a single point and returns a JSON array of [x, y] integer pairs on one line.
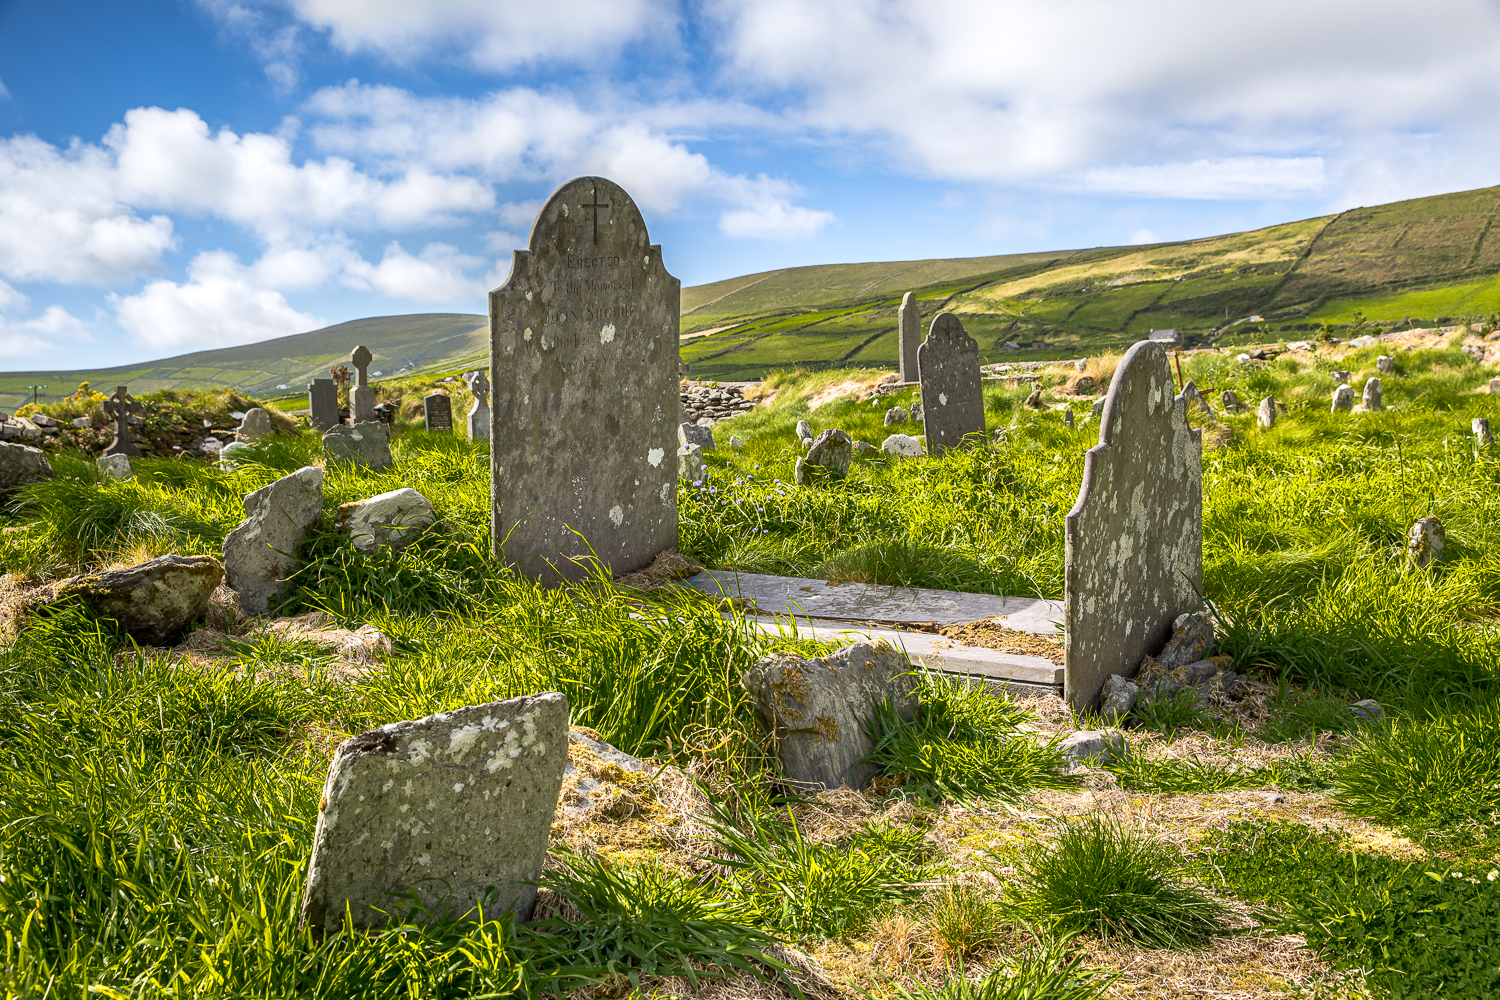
[[21, 465], [814, 709], [1098, 409], [952, 401], [583, 353], [828, 458], [1343, 399], [1267, 413], [1134, 539], [122, 406], [479, 413], [690, 462], [366, 444], [1426, 541], [1480, 427], [1341, 377], [1068, 418], [454, 808], [115, 466], [896, 415], [1495, 384], [437, 411], [322, 403], [1193, 400], [361, 397], [694, 434], [909, 337], [256, 425], [1371, 400], [1385, 363], [1231, 401], [260, 554]]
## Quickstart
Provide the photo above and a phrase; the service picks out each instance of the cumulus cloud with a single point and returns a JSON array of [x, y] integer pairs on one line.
[[436, 275], [1240, 178], [23, 337], [222, 303]]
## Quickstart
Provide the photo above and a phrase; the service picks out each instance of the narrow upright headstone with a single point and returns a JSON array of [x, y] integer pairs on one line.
[[1068, 418], [1495, 384], [1231, 401], [361, 397], [1480, 426], [952, 401], [322, 403], [1343, 399], [910, 336], [1372, 399], [455, 808], [437, 411], [1385, 363], [1267, 412], [583, 354], [479, 413], [121, 407], [1134, 539]]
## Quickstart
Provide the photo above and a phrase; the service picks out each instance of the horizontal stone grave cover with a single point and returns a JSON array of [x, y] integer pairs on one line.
[[585, 406]]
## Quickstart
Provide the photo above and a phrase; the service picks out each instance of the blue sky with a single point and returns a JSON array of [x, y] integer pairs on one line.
[[177, 175]]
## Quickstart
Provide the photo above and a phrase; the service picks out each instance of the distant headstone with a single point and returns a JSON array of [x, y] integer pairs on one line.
[[1134, 539], [1372, 399], [1231, 401], [693, 434], [804, 433], [322, 403], [1343, 399], [916, 413], [583, 353], [115, 466], [364, 445], [1068, 418], [909, 337], [952, 403], [1480, 426], [1385, 363], [256, 425], [455, 808], [437, 411], [1342, 377], [121, 407], [896, 415], [828, 458], [479, 413], [1426, 541], [1495, 384], [1267, 413], [1194, 402], [361, 397], [690, 462], [1098, 409]]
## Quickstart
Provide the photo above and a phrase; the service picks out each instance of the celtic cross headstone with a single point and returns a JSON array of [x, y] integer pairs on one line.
[[361, 397], [121, 407], [479, 413]]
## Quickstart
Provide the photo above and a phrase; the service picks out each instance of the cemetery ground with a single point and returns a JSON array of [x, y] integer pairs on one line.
[[158, 805]]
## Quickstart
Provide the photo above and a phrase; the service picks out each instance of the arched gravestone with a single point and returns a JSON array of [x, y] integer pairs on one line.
[[585, 406], [952, 403], [1135, 537]]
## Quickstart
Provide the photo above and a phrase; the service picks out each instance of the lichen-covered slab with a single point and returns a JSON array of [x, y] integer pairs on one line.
[[583, 357], [952, 402], [814, 709], [448, 807], [1134, 558]]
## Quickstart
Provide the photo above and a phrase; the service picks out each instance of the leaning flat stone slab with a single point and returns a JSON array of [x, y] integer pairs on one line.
[[1014, 672], [449, 807], [863, 602]]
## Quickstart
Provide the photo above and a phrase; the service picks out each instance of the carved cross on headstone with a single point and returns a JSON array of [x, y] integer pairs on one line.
[[361, 357], [479, 413], [594, 207], [122, 406], [479, 385]]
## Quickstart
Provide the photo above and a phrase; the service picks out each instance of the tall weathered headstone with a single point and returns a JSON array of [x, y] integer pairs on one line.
[[322, 403], [479, 413], [121, 407], [1134, 557], [1373, 398], [454, 808], [583, 354], [1267, 412], [361, 397], [437, 411], [952, 401], [909, 336]]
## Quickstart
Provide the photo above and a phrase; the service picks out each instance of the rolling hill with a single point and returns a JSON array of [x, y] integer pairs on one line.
[[1427, 259]]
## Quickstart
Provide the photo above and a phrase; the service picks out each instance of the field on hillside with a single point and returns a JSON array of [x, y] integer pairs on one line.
[[159, 805]]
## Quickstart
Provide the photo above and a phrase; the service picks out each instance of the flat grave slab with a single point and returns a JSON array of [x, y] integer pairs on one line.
[[1014, 672], [862, 602]]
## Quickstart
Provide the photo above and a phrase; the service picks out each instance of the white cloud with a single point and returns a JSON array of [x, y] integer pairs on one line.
[[436, 275], [36, 337], [222, 303], [1240, 178], [62, 219], [490, 35], [4, 94], [1140, 236]]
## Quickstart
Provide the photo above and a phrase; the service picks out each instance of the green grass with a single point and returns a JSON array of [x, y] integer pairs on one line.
[[1044, 972]]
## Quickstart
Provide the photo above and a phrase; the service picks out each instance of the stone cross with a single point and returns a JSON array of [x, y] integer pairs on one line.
[[909, 337], [322, 403], [437, 411], [122, 406], [479, 413], [361, 397], [952, 402], [1134, 539], [584, 415]]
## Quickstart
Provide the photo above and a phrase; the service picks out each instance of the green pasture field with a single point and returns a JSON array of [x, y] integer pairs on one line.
[[156, 816]]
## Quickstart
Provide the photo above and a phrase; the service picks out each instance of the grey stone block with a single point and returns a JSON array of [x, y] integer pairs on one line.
[[151, 601], [261, 552]]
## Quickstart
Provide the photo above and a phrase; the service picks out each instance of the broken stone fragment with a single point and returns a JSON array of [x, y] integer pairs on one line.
[[690, 462], [902, 444], [151, 601], [804, 433], [115, 466], [391, 520], [865, 448], [1100, 745], [21, 465], [1369, 709], [695, 434], [828, 458], [1266, 415], [260, 554], [365, 444], [1118, 697], [813, 709], [896, 415], [1425, 541], [1343, 399], [1192, 635], [455, 808]]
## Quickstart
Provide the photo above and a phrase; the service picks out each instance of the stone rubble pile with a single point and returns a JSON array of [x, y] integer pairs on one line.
[[700, 402]]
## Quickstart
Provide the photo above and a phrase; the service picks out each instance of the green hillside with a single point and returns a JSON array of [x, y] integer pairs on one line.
[[417, 343], [1420, 261]]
